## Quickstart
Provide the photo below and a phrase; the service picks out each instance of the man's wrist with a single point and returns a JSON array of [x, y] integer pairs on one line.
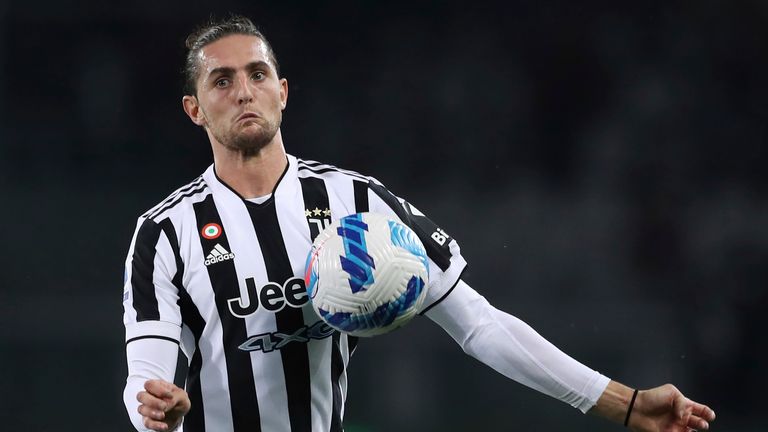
[[614, 403]]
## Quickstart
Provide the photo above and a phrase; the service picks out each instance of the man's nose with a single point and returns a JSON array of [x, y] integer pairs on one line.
[[244, 93]]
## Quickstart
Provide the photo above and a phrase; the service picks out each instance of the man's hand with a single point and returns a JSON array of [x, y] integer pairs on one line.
[[660, 409], [666, 409], [163, 405]]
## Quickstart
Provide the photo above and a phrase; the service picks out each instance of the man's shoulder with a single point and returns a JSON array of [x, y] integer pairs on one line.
[[175, 200], [312, 168]]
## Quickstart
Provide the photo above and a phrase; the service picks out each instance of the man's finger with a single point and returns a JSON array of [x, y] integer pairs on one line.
[[681, 406], [151, 413], [703, 411], [698, 423], [151, 401], [155, 425], [159, 388]]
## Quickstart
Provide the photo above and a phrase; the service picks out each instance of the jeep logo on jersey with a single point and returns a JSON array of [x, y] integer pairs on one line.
[[272, 297]]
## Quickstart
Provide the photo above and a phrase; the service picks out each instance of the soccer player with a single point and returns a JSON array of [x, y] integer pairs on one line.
[[215, 271]]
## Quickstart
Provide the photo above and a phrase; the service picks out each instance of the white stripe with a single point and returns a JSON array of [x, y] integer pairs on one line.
[[267, 368], [129, 315], [310, 169], [297, 237], [166, 293], [186, 188]]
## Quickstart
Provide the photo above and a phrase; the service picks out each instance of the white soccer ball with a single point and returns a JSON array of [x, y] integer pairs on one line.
[[367, 274]]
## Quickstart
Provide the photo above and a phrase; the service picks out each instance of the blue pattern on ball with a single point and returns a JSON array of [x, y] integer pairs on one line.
[[310, 275], [405, 238], [356, 261], [382, 316]]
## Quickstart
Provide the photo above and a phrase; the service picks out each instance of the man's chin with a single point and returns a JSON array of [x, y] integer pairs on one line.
[[250, 143]]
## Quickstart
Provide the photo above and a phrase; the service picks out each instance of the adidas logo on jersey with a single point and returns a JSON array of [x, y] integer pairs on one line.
[[218, 254]]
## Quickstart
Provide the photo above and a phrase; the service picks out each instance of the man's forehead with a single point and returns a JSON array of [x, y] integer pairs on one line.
[[234, 51]]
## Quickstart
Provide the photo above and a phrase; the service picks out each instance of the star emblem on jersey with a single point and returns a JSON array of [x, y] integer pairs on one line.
[[317, 212], [211, 231], [320, 218], [218, 254]]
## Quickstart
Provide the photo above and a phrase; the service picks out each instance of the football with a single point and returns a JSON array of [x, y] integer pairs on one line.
[[367, 274]]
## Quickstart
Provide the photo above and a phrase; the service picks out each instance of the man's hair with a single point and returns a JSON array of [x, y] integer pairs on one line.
[[210, 32]]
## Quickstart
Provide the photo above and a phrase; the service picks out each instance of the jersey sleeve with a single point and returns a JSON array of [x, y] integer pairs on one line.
[[152, 316], [445, 261], [515, 350], [150, 290]]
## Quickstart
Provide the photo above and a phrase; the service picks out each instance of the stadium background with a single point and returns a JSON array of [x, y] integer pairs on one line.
[[601, 164]]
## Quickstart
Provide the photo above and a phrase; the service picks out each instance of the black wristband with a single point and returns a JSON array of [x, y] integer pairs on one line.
[[629, 410]]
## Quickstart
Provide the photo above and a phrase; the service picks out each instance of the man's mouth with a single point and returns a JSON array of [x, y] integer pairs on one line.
[[248, 116]]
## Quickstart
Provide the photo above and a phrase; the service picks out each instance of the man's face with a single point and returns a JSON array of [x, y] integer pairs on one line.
[[240, 98]]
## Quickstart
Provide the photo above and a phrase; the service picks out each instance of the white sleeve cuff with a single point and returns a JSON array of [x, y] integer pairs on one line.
[[148, 358]]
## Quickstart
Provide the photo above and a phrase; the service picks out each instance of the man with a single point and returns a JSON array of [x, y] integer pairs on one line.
[[215, 270]]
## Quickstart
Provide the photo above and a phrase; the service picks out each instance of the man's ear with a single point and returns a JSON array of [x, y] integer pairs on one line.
[[283, 92], [192, 108]]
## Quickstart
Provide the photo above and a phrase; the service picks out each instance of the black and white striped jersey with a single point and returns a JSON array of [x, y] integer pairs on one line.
[[222, 278]]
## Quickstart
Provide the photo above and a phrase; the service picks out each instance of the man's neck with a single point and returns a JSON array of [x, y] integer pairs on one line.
[[251, 176]]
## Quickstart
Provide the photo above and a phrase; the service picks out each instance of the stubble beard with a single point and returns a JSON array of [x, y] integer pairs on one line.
[[248, 143]]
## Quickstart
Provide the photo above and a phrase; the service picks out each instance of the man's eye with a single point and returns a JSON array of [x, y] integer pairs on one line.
[[258, 75], [221, 83]]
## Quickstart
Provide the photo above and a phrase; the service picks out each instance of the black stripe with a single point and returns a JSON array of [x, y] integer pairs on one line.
[[315, 195], [444, 295], [152, 337], [242, 388], [182, 368], [294, 355], [361, 196], [176, 193], [337, 369], [310, 162], [142, 272], [331, 169], [177, 200], [361, 205], [194, 421]]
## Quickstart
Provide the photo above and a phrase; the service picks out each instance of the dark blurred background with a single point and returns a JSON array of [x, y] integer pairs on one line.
[[602, 165]]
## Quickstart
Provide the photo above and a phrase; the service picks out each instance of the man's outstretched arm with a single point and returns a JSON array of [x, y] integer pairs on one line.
[[514, 349]]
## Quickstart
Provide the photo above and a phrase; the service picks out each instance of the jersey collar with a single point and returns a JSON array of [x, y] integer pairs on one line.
[[286, 184]]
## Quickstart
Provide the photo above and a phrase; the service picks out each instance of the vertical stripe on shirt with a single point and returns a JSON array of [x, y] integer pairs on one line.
[[315, 195], [223, 276], [194, 421], [187, 375], [361, 195], [289, 320], [361, 206], [142, 272]]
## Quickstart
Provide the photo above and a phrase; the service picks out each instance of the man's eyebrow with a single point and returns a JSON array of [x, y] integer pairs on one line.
[[226, 70], [223, 70], [260, 64]]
